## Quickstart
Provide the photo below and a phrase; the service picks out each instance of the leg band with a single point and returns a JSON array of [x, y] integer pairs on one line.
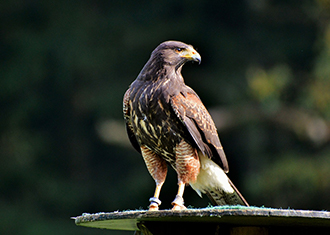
[[154, 200]]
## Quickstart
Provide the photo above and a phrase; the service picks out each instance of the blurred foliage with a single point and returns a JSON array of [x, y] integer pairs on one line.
[[65, 65], [267, 86]]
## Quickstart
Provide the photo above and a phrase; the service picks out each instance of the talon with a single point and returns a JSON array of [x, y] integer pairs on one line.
[[178, 203], [153, 207], [178, 207]]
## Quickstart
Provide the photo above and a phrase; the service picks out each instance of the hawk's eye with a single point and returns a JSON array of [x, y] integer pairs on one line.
[[178, 49]]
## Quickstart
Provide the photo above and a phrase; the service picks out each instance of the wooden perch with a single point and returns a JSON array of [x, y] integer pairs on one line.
[[233, 220]]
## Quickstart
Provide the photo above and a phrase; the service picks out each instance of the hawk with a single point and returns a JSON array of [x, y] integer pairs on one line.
[[168, 124]]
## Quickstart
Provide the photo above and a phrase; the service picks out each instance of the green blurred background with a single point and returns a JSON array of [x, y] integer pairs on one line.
[[65, 65]]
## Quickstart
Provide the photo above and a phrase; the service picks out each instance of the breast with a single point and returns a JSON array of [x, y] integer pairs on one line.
[[154, 122]]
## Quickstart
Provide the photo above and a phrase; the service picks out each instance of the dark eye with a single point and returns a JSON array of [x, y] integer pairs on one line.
[[178, 49]]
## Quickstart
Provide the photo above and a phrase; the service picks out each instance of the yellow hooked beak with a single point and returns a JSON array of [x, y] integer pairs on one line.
[[190, 54]]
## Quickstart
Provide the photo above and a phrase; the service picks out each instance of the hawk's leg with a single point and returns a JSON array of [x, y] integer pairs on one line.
[[187, 166], [158, 169], [178, 201]]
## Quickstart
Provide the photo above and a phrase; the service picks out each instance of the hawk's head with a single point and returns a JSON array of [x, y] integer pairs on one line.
[[175, 53]]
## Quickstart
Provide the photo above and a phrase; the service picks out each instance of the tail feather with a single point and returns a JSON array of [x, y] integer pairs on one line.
[[214, 182], [239, 194], [219, 197]]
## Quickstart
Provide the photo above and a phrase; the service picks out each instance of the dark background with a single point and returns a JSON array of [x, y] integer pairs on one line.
[[65, 65]]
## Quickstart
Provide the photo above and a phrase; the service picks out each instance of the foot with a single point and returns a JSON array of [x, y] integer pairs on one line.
[[178, 207], [153, 207], [154, 204], [178, 203]]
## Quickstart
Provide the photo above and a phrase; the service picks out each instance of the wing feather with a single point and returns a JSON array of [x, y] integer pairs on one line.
[[195, 134], [191, 111], [128, 120]]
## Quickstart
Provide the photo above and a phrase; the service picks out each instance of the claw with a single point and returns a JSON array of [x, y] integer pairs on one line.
[[178, 203], [153, 207], [178, 207]]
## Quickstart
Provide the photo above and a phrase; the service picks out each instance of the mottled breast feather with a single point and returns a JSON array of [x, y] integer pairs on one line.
[[151, 121]]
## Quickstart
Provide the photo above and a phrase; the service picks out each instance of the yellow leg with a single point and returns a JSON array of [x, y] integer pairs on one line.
[[154, 201], [178, 201], [157, 190]]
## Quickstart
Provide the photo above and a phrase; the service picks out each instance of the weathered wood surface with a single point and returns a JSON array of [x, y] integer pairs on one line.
[[233, 220]]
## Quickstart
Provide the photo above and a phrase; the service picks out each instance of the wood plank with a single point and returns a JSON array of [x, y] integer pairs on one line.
[[232, 217]]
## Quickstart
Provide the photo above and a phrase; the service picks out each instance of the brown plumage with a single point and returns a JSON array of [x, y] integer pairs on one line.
[[168, 124]]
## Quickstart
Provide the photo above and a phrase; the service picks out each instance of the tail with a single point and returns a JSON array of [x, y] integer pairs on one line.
[[214, 182], [219, 197]]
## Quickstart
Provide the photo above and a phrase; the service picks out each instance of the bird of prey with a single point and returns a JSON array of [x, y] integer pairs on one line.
[[168, 124]]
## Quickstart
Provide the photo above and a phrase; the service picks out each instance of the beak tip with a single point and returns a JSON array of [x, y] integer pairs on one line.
[[198, 59]]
